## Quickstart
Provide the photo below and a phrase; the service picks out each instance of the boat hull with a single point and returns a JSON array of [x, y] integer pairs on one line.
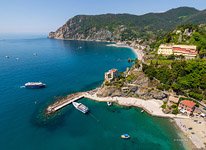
[[125, 136], [109, 103], [83, 111], [35, 86], [81, 107]]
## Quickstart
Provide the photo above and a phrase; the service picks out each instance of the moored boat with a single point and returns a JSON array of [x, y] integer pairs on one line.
[[109, 103], [35, 85], [80, 107], [125, 136]]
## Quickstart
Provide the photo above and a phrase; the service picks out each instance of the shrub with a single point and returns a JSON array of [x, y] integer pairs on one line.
[[164, 106], [196, 95], [171, 57], [107, 83], [175, 111], [174, 106]]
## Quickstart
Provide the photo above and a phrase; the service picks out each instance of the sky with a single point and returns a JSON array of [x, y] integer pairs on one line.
[[43, 16]]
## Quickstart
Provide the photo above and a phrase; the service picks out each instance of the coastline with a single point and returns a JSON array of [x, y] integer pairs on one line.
[[152, 107], [183, 138], [194, 131], [189, 140], [138, 53]]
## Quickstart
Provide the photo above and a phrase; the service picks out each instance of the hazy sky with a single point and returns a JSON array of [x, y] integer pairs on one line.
[[42, 16]]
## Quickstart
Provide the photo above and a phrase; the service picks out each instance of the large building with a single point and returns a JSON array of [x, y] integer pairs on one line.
[[110, 75], [186, 106], [188, 51], [165, 49]]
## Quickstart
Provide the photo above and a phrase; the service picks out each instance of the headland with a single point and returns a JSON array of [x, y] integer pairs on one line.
[[153, 107]]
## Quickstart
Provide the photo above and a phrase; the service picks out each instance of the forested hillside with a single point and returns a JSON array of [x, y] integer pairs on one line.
[[189, 34], [187, 77], [126, 26]]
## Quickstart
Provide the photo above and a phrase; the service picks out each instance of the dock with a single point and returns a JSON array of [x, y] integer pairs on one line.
[[59, 104], [64, 102]]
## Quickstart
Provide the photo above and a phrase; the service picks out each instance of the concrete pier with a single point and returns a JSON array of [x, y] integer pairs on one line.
[[64, 102], [68, 100]]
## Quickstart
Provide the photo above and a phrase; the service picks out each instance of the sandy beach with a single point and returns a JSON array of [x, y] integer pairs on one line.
[[195, 129], [194, 138], [153, 107], [138, 53], [192, 128]]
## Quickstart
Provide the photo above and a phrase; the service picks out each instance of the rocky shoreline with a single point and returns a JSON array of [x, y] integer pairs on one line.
[[153, 107], [148, 99]]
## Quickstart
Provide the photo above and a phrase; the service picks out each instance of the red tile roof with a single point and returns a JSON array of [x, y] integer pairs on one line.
[[113, 70], [188, 103], [184, 50]]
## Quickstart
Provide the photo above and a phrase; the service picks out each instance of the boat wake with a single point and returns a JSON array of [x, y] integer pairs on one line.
[[93, 117], [22, 86]]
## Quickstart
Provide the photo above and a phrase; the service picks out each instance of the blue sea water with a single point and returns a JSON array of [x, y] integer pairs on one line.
[[66, 67]]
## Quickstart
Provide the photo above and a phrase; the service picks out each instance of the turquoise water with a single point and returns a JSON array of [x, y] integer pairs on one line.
[[66, 67]]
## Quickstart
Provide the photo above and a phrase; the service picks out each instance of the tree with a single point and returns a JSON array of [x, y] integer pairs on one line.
[[175, 111], [171, 57]]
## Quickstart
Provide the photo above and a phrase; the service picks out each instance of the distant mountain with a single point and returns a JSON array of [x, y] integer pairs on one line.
[[197, 18], [115, 27]]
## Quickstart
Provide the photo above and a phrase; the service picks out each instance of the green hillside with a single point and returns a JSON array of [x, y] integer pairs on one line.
[[127, 26], [189, 34], [184, 77]]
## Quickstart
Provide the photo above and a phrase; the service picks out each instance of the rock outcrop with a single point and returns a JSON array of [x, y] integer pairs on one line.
[[141, 86], [74, 29]]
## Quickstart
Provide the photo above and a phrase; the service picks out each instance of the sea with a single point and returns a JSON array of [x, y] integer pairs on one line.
[[66, 67]]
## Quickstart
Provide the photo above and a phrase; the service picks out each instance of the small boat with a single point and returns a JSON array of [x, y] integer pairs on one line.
[[35, 85], [125, 136], [80, 107], [109, 103], [142, 111]]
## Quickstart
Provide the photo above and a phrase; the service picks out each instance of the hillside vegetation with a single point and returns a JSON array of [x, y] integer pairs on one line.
[[182, 25], [126, 26], [188, 34], [183, 77]]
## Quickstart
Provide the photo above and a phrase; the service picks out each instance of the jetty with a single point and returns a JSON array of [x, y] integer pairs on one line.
[[64, 102], [59, 104]]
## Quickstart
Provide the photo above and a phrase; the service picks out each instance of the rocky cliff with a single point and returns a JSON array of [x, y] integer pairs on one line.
[[77, 28], [133, 83]]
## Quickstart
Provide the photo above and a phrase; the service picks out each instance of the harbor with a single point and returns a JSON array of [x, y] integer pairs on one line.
[[152, 107], [64, 102], [59, 104]]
